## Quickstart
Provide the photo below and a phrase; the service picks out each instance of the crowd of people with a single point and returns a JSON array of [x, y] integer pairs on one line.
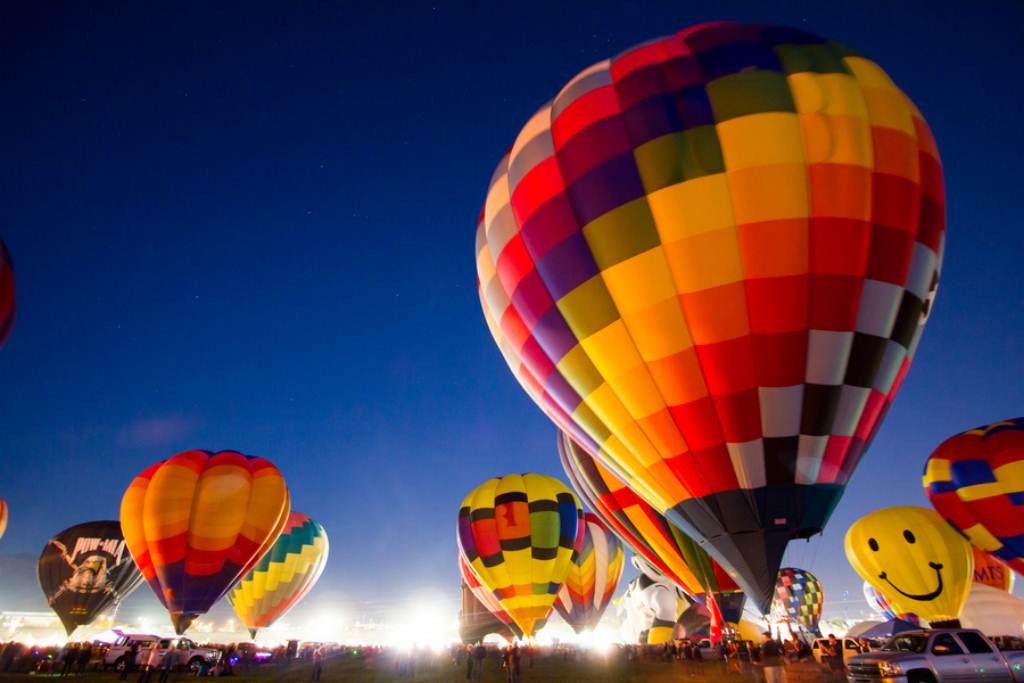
[[152, 664]]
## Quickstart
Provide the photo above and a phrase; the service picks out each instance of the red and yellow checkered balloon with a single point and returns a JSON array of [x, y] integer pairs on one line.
[[709, 259], [197, 522]]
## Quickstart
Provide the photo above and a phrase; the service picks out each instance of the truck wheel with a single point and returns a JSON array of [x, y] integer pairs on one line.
[[120, 664], [920, 677], [194, 664]]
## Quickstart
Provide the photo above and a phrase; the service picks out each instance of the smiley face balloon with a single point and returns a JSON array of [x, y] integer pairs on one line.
[[917, 560]]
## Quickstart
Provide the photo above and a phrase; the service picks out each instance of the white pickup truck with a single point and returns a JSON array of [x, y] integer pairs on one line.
[[937, 656], [189, 654]]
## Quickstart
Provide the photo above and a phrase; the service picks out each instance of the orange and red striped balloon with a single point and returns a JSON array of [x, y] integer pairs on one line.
[[198, 522]]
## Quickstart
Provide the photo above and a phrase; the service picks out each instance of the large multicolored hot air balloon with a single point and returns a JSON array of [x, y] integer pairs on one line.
[[915, 559], [593, 576], [799, 598], [975, 480], [3, 517], [642, 528], [283, 576], [878, 602], [519, 534], [709, 260], [86, 570], [198, 522], [7, 305]]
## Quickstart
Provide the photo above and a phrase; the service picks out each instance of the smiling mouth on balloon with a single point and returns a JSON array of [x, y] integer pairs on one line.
[[925, 597]]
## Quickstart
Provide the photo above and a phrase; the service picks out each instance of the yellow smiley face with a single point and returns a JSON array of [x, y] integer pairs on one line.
[[915, 559]]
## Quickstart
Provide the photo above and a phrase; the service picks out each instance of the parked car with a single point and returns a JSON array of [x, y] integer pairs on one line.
[[189, 654], [937, 656]]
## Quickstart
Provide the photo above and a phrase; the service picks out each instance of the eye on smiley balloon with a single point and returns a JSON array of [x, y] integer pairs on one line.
[[915, 559]]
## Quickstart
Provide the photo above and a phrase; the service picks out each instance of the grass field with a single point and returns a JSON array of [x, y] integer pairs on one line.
[[441, 669]]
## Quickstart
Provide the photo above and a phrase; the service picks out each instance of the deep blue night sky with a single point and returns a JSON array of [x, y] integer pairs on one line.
[[251, 226]]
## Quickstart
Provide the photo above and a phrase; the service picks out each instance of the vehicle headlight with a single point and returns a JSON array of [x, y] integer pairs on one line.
[[889, 669]]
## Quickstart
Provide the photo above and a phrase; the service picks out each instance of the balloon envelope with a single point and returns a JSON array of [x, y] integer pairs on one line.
[[86, 570], [7, 305], [3, 517], [197, 522], [799, 598], [284, 575], [878, 602], [593, 576], [993, 612], [519, 534], [975, 480], [480, 613], [709, 260], [915, 559], [641, 527], [990, 571]]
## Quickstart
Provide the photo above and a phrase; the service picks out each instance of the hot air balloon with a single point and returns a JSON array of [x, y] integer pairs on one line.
[[519, 534], [709, 260], [915, 559], [481, 614], [651, 605], [198, 522], [86, 570], [798, 598], [646, 531], [990, 571], [486, 598], [3, 517], [973, 482], [593, 576], [287, 572], [880, 604], [6, 293]]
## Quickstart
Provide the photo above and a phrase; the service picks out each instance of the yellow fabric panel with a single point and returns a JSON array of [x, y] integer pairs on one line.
[[639, 282], [168, 502], [219, 507], [765, 193], [706, 260], [611, 351], [834, 94], [659, 330], [765, 139], [672, 207]]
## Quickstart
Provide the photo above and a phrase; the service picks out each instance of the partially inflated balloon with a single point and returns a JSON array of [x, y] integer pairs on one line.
[[915, 559], [7, 305], [86, 570], [3, 517], [283, 576], [641, 527], [197, 522], [878, 602], [990, 571], [709, 259], [481, 613], [975, 480], [593, 576], [486, 598], [519, 534], [799, 598]]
